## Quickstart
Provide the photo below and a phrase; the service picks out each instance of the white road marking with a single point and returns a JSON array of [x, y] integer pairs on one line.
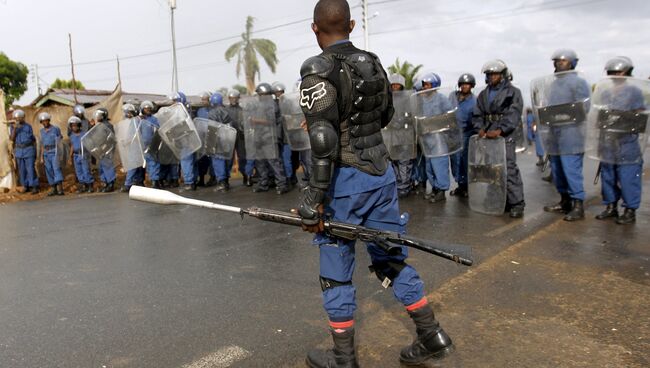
[[221, 358]]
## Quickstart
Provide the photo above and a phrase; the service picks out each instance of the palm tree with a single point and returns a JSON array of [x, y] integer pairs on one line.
[[407, 70], [246, 51]]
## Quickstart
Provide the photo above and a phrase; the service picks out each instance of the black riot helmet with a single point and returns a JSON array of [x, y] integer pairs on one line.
[[263, 89], [467, 78]]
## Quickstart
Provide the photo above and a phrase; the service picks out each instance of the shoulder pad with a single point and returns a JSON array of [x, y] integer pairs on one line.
[[316, 65]]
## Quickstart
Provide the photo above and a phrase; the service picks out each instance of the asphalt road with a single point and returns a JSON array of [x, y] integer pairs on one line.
[[102, 281]]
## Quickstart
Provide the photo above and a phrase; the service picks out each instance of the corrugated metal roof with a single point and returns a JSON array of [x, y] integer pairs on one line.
[[92, 97]]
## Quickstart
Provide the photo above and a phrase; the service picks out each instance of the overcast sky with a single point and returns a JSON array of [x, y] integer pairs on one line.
[[448, 37]]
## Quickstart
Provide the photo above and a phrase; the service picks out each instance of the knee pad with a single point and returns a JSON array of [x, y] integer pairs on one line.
[[386, 272]]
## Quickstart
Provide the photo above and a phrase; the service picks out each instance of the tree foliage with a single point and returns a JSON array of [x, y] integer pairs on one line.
[[67, 84], [13, 78], [407, 70], [246, 52]]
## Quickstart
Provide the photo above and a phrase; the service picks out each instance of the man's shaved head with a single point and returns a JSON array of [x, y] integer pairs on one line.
[[333, 17]]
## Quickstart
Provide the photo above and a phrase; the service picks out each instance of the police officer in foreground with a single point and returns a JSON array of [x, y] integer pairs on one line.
[[496, 114], [50, 155], [464, 100], [622, 180], [567, 168], [346, 99], [24, 142]]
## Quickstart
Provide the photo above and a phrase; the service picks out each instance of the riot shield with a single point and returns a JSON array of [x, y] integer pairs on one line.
[[177, 130], [435, 123], [259, 128], [62, 152], [99, 141], [218, 139], [297, 136], [487, 175], [560, 103], [618, 120], [129, 145], [399, 134]]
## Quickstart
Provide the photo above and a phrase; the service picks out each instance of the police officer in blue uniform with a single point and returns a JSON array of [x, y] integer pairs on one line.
[[188, 163], [24, 142], [236, 114], [106, 166], [622, 181], [567, 168], [496, 114], [220, 166], [133, 176], [50, 139], [464, 100], [204, 163], [148, 128], [285, 149], [437, 168], [80, 112], [403, 168], [346, 99], [267, 167], [79, 158]]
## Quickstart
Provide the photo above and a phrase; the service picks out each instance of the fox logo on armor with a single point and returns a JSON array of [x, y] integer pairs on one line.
[[310, 95]]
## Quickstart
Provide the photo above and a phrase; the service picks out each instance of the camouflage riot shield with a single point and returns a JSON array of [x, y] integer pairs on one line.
[[129, 145], [297, 136], [487, 175], [618, 120], [218, 139], [99, 142], [399, 134], [560, 102], [260, 128], [177, 130], [435, 123]]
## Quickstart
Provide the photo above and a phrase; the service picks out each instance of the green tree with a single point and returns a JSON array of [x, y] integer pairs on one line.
[[407, 70], [240, 88], [13, 79], [67, 84], [246, 51]]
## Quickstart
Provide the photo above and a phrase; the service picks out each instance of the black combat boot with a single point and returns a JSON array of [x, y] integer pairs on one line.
[[341, 356], [189, 187], [156, 184], [35, 190], [609, 212], [222, 187], [563, 206], [459, 192], [432, 341], [52, 191], [548, 178], [248, 181], [517, 211], [80, 188], [260, 189], [577, 211], [109, 187], [438, 196], [628, 217], [282, 190], [125, 189], [212, 182], [59, 189], [201, 181], [89, 188]]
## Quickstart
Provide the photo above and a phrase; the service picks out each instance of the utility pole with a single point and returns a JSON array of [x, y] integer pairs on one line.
[[74, 80], [35, 78], [172, 6], [364, 10]]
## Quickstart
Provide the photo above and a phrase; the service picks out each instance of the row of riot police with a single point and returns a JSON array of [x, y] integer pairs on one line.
[[434, 130]]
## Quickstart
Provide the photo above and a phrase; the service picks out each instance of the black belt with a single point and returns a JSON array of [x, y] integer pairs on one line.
[[493, 118], [49, 147], [24, 145]]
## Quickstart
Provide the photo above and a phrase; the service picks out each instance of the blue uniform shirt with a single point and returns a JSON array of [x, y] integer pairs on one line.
[[202, 112], [435, 104], [568, 88], [465, 110], [75, 141], [24, 136], [50, 137], [147, 129]]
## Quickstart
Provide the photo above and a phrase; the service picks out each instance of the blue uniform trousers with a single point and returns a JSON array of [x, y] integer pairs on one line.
[[52, 168], [437, 170], [107, 170], [153, 167], [222, 168], [621, 181], [567, 175], [459, 163], [27, 172], [82, 168], [188, 168], [286, 160], [376, 209], [539, 149]]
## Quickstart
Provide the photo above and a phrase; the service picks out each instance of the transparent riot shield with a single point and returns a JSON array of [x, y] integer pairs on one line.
[[487, 175], [297, 136], [560, 103], [435, 123], [260, 128], [519, 137], [618, 120], [218, 139], [177, 130], [129, 145], [99, 141], [62, 152], [399, 134]]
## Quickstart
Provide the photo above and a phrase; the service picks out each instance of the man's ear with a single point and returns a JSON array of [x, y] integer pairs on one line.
[[314, 28], [352, 24]]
